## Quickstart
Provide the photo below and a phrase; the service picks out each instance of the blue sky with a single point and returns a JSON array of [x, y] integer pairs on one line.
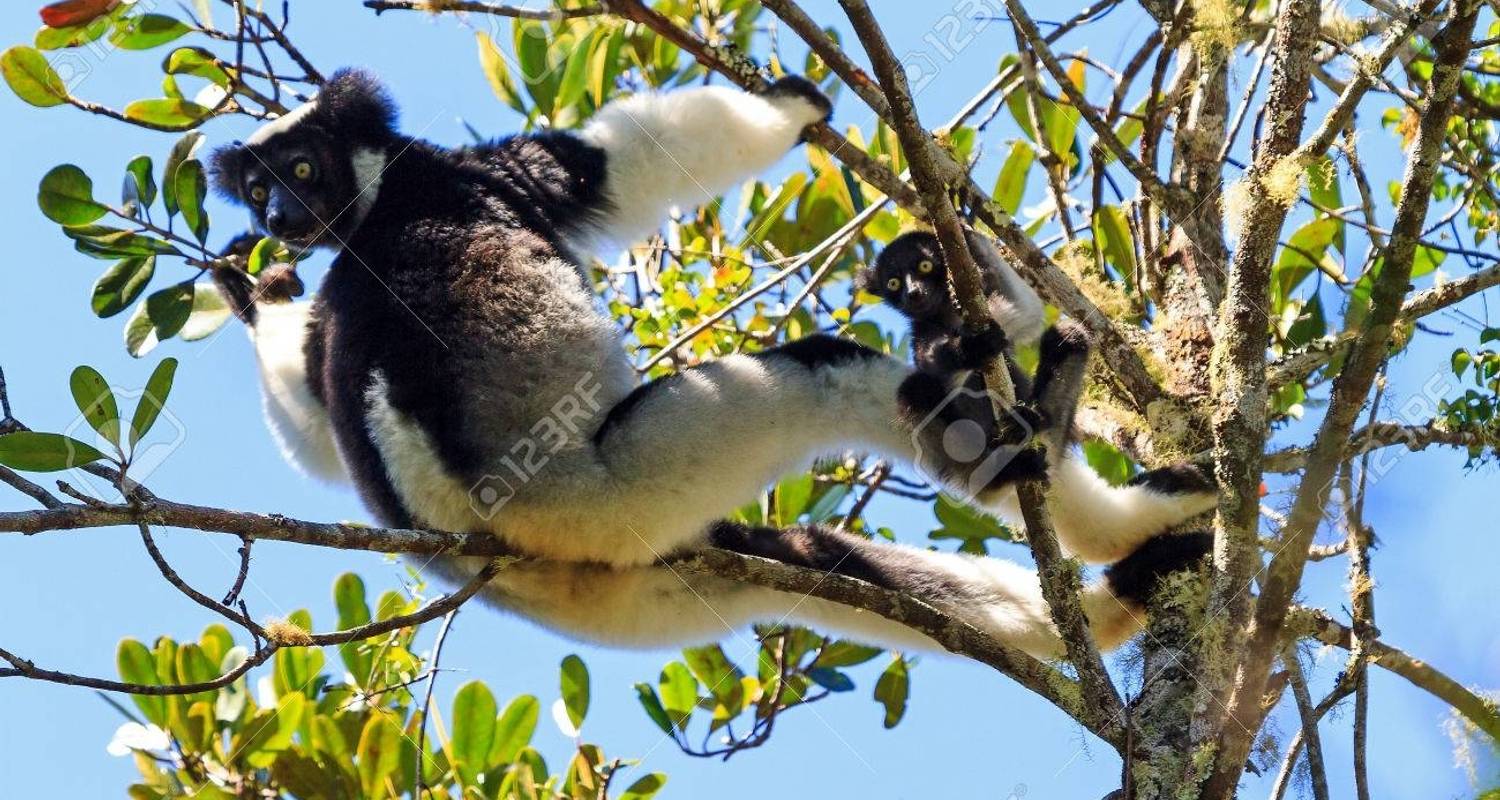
[[969, 732]]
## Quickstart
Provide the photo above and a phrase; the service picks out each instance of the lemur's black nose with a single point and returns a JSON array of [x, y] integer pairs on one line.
[[289, 218]]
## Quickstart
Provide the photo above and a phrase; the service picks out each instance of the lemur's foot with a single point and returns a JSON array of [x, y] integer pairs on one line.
[[1185, 478], [976, 350], [1137, 576], [1064, 339], [796, 86], [1017, 424]]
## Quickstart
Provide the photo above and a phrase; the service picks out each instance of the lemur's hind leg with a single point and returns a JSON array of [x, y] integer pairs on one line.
[[680, 452], [999, 597]]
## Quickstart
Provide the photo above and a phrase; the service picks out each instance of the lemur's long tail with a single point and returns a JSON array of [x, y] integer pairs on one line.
[[997, 596]]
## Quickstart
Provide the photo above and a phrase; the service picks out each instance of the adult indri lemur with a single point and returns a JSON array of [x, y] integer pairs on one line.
[[456, 345]]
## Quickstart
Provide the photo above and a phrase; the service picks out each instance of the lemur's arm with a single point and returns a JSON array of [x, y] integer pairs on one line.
[[685, 147], [1014, 305], [287, 339]]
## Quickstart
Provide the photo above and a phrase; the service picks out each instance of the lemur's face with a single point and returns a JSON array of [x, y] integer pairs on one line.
[[910, 275], [310, 177]]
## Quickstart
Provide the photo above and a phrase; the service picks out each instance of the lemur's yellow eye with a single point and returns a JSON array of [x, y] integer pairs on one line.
[[893, 284], [258, 194], [302, 170], [924, 266]]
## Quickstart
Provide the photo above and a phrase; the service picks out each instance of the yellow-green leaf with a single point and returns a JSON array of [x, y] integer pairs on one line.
[[32, 79]]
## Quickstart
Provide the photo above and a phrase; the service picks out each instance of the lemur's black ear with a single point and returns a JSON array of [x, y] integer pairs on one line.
[[355, 104], [225, 166], [865, 279]]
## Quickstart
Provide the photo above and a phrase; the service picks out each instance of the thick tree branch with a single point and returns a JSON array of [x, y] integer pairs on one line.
[[1350, 388], [1238, 367], [958, 637]]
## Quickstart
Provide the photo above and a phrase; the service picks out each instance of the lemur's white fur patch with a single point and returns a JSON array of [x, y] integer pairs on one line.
[[425, 486], [298, 422], [368, 165], [281, 124], [687, 146], [1100, 523]]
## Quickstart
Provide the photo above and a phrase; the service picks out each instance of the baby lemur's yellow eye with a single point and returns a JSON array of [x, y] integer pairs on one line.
[[924, 266], [893, 284], [258, 194], [302, 170]]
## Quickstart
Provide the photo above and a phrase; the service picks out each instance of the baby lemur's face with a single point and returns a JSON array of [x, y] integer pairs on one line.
[[910, 275]]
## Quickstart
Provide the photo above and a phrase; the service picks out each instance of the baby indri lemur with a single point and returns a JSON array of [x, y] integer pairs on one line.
[[1094, 521], [457, 368]]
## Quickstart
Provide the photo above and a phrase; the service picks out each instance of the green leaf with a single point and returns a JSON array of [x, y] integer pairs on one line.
[[645, 788], [30, 451], [576, 72], [1114, 234], [792, 496], [153, 399], [496, 71], [575, 689], [378, 754], [140, 185], [136, 665], [122, 284], [159, 318], [1461, 361], [845, 654], [105, 242], [1324, 191], [514, 729], [210, 312], [1304, 251], [652, 704], [48, 38], [679, 693], [190, 187], [723, 679], [167, 112], [1011, 185], [831, 679], [182, 151], [197, 62], [892, 691], [474, 722], [216, 642], [349, 598], [530, 41], [968, 525], [32, 79], [1426, 260], [266, 252], [66, 196], [147, 31], [1112, 465], [97, 402]]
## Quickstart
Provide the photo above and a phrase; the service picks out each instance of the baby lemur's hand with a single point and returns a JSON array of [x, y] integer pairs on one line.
[[1017, 424], [976, 350]]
